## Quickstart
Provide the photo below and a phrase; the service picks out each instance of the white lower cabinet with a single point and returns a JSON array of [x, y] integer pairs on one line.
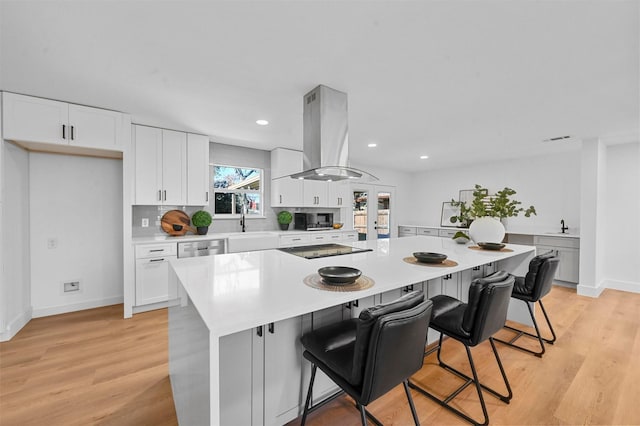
[[268, 393], [282, 371], [152, 274], [323, 386], [567, 250]]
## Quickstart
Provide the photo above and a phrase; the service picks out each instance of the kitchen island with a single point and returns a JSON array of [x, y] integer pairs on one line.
[[234, 352]]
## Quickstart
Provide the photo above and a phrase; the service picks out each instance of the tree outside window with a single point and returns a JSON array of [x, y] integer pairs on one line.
[[235, 188]]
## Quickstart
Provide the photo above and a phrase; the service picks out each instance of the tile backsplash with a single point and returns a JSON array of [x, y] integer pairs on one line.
[[155, 213]]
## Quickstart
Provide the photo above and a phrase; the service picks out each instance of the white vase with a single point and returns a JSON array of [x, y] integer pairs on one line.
[[486, 230]]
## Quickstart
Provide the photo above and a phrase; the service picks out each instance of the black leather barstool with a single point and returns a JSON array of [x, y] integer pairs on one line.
[[530, 289], [472, 323], [370, 355]]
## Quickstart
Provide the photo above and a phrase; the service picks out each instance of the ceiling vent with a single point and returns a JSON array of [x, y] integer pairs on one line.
[[559, 139]]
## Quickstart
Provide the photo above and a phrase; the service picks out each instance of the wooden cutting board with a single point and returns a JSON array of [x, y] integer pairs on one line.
[[176, 223]]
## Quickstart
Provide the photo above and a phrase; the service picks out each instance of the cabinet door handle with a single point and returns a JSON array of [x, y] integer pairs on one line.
[[476, 268], [206, 194], [280, 198], [156, 260], [165, 195], [159, 195], [271, 328], [64, 131], [259, 331], [155, 250], [71, 132]]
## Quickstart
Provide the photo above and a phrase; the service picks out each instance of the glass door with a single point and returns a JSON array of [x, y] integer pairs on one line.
[[372, 212], [382, 223], [360, 217]]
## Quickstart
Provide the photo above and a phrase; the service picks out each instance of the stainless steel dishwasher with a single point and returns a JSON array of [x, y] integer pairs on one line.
[[201, 248]]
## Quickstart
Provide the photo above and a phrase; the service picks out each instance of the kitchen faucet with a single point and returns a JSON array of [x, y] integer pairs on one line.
[[242, 217], [564, 228]]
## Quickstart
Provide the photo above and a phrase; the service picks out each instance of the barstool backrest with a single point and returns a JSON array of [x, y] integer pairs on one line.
[[396, 350], [486, 310], [366, 322], [542, 270]]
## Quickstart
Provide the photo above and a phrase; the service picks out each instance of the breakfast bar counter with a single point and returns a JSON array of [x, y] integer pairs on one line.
[[221, 366]]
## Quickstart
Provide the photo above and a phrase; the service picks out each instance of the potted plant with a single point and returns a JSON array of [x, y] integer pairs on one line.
[[485, 212], [284, 219], [201, 220]]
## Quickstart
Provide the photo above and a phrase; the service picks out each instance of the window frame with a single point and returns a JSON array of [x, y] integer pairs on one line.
[[214, 190]]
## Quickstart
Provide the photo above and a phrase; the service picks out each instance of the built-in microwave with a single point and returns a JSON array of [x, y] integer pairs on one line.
[[312, 221]]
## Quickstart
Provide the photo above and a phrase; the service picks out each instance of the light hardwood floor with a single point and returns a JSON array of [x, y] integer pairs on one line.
[[93, 367]]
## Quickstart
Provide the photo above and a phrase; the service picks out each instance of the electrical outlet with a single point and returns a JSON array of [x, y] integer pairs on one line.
[[145, 222], [71, 286], [52, 243]]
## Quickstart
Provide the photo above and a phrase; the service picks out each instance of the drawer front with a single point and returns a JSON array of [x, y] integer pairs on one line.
[[156, 250], [350, 236], [407, 230], [540, 240], [428, 231], [335, 237], [294, 240], [319, 238], [449, 233]]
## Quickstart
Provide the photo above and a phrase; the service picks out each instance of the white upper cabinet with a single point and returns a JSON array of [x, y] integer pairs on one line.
[[315, 193], [93, 127], [36, 120], [174, 167], [286, 192], [285, 162], [197, 170], [160, 166], [337, 194]]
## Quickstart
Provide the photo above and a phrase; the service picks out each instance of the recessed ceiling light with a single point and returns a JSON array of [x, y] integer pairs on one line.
[[372, 145], [262, 122], [424, 157]]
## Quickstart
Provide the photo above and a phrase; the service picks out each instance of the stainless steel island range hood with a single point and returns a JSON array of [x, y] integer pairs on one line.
[[326, 138]]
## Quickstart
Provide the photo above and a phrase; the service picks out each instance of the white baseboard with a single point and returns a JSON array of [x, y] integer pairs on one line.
[[629, 286], [585, 290], [89, 304], [16, 325]]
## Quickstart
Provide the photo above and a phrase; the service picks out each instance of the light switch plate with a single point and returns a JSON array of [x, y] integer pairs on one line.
[[145, 222]]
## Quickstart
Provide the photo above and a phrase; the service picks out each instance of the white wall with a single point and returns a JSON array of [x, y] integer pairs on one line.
[[15, 301], [551, 183], [78, 202], [622, 217]]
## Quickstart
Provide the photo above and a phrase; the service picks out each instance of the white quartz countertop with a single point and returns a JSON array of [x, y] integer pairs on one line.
[[235, 292], [223, 235]]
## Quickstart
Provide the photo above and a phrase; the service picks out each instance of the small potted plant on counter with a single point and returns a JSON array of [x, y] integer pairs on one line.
[[284, 219], [201, 220]]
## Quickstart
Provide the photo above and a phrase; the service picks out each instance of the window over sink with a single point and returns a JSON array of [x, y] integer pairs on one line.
[[235, 188]]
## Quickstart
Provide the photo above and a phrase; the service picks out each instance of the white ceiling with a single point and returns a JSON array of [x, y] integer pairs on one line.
[[459, 81]]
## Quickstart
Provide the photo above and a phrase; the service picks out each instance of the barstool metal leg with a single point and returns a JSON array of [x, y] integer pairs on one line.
[[413, 408], [469, 380], [537, 336], [308, 400]]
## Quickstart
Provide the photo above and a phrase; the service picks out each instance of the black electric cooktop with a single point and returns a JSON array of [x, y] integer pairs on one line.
[[322, 250]]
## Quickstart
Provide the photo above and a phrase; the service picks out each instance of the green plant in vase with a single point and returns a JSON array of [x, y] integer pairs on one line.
[[284, 219], [498, 206], [201, 220]]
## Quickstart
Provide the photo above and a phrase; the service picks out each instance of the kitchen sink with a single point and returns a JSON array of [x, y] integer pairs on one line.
[[250, 241]]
